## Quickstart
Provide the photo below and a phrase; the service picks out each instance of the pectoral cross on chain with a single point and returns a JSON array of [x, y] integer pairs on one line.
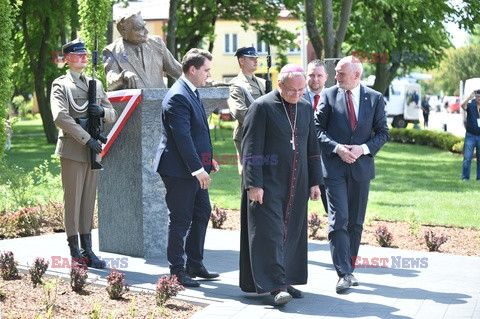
[[293, 142]]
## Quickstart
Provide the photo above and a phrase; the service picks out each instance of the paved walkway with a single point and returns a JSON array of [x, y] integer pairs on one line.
[[448, 286]]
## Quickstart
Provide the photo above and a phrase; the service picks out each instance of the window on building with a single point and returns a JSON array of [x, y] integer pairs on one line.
[[261, 46], [294, 49], [230, 43]]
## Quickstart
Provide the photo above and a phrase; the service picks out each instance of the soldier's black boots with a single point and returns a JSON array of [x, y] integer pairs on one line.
[[78, 260], [92, 259]]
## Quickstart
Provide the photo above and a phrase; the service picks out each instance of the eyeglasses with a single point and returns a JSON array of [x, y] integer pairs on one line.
[[477, 91], [292, 91]]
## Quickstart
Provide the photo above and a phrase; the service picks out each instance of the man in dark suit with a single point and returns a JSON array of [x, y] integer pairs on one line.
[[352, 127], [184, 161], [316, 77]]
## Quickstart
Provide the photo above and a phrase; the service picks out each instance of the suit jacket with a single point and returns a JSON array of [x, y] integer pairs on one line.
[[72, 137], [185, 145], [333, 128], [120, 56], [238, 103]]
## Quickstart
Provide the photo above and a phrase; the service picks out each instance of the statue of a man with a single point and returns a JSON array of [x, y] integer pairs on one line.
[[137, 60]]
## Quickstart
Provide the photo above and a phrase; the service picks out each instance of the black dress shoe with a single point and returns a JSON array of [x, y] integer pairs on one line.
[[201, 272], [295, 293], [185, 279]]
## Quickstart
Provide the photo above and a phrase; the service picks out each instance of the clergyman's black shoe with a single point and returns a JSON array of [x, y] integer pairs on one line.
[[185, 279], [295, 293], [201, 272]]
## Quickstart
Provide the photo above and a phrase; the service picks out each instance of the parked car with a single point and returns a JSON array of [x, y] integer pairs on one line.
[[453, 105]]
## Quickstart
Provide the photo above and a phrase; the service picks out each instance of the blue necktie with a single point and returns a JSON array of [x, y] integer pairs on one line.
[[198, 96]]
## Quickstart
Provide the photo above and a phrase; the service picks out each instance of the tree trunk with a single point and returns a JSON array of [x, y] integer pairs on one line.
[[328, 35], [171, 36], [312, 29], [38, 75], [342, 27], [384, 76]]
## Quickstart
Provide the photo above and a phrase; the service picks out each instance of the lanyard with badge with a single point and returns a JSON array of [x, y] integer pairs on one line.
[[478, 118]]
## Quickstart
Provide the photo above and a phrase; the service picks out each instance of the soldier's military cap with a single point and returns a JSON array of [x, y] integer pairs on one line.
[[246, 51], [75, 46]]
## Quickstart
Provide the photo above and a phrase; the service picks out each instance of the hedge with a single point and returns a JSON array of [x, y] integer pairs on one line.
[[441, 140]]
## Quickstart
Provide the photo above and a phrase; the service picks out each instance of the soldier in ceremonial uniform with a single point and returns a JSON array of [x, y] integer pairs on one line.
[[69, 104], [244, 89]]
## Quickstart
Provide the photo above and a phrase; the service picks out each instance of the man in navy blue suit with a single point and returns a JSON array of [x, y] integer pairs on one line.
[[352, 127], [185, 161], [316, 77]]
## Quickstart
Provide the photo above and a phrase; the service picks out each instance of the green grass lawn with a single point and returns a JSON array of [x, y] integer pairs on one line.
[[410, 179], [29, 145]]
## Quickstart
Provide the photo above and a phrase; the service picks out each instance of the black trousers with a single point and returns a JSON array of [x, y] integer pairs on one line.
[[190, 210]]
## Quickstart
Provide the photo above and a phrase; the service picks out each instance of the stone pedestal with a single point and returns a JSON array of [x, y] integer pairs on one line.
[[132, 213]]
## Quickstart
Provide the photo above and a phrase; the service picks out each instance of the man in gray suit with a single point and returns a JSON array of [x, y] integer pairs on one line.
[[352, 127]]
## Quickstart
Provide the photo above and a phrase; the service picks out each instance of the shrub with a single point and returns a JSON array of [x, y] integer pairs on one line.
[[15, 184], [78, 278], [20, 188], [8, 266], [116, 284], [434, 241], [441, 140], [167, 288], [383, 236], [37, 271], [218, 217], [21, 223], [314, 224], [413, 223], [52, 211]]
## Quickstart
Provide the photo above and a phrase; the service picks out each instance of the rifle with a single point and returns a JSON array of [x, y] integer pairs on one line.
[[268, 83], [94, 123]]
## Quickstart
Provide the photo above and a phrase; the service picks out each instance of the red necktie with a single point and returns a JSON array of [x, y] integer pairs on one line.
[[351, 111], [316, 98]]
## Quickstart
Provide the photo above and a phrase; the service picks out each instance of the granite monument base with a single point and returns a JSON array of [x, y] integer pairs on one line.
[[132, 213]]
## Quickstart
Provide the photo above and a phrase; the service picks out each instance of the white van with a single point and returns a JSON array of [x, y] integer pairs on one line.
[[403, 100]]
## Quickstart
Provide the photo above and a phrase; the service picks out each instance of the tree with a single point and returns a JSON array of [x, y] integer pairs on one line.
[[459, 64], [409, 33], [6, 53], [171, 35], [197, 18], [329, 44], [39, 36], [94, 18]]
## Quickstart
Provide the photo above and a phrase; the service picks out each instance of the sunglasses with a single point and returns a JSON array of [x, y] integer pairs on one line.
[[477, 91]]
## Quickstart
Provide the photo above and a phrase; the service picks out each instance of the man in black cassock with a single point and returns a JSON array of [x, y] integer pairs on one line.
[[282, 168]]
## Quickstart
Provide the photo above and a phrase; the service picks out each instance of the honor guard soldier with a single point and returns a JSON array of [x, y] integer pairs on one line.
[[244, 89], [70, 110]]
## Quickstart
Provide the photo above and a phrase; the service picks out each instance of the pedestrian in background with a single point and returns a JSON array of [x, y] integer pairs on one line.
[[425, 110], [8, 131], [471, 105]]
